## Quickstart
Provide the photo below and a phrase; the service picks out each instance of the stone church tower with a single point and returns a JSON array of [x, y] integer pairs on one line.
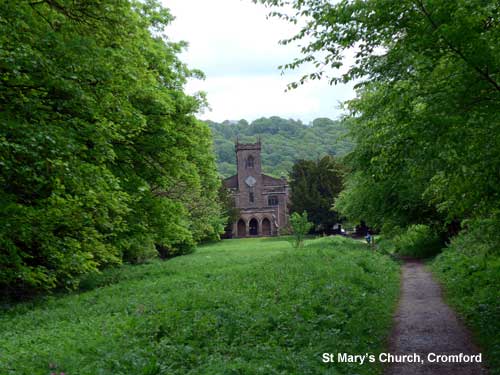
[[262, 200]]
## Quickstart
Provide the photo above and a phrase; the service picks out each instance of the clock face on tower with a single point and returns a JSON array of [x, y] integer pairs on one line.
[[250, 181]]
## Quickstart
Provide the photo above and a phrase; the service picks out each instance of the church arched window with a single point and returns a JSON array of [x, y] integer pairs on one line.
[[250, 162]]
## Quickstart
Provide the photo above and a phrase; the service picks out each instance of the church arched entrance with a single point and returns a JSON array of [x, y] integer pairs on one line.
[[253, 227], [266, 227], [242, 228]]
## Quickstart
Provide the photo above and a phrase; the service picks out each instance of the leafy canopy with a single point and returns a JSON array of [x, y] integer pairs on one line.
[[315, 185], [101, 156], [426, 114]]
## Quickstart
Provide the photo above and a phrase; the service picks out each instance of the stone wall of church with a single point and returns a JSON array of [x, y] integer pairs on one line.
[[261, 199], [244, 152]]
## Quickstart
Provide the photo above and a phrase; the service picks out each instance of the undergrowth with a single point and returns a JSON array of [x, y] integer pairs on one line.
[[470, 272], [417, 241]]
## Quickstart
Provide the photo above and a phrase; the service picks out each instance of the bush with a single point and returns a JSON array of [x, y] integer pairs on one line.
[[138, 250], [385, 245], [300, 227], [480, 237], [166, 252], [470, 272], [417, 241]]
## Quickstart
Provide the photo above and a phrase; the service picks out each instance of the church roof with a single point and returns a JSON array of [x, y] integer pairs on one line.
[[231, 182], [271, 181]]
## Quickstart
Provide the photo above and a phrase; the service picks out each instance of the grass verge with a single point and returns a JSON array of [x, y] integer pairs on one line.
[[251, 306], [472, 287]]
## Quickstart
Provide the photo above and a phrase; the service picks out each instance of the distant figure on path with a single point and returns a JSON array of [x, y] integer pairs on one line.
[[368, 238]]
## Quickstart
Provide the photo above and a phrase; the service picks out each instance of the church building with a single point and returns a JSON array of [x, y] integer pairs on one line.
[[262, 200]]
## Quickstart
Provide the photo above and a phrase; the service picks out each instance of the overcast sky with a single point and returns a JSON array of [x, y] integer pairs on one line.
[[234, 44]]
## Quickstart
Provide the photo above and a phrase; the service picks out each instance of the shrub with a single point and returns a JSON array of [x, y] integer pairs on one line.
[[166, 252], [470, 272], [138, 250], [480, 237], [417, 241], [300, 227], [385, 245]]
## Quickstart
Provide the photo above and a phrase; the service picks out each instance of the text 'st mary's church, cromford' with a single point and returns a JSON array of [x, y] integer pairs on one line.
[[261, 200]]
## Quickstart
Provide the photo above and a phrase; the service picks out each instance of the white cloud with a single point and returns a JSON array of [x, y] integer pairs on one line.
[[237, 48], [250, 97]]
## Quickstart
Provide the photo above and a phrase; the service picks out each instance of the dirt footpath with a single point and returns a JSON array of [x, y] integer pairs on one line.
[[425, 324]]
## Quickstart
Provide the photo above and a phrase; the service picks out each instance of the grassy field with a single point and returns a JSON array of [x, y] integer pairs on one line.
[[252, 306]]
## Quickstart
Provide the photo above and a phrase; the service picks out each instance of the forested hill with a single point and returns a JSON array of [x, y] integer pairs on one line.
[[283, 142]]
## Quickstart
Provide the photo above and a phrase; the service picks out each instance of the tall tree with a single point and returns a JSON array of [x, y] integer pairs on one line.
[[101, 156], [314, 186], [426, 117]]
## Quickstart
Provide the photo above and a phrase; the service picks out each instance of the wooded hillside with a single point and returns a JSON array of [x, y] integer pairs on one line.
[[283, 142]]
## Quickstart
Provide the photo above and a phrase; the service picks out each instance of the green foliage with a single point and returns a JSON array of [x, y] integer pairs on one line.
[[418, 241], [300, 228], [283, 142], [138, 249], [229, 210], [425, 119], [315, 185], [101, 156], [250, 306], [480, 237], [472, 284]]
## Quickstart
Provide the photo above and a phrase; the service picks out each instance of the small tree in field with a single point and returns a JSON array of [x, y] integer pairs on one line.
[[300, 227]]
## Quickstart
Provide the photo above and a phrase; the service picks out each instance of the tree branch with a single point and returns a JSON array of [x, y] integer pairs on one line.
[[435, 26]]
